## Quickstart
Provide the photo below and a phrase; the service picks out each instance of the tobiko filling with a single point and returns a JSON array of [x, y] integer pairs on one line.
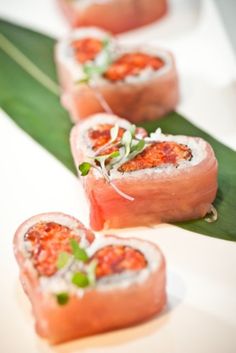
[[132, 64], [114, 259], [86, 49], [47, 241]]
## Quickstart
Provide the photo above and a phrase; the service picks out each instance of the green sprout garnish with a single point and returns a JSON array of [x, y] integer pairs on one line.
[[85, 168], [78, 253], [62, 260], [81, 279], [127, 147], [138, 147], [126, 141], [62, 298], [91, 270]]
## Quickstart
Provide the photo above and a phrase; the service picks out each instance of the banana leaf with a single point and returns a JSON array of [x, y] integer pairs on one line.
[[29, 94]]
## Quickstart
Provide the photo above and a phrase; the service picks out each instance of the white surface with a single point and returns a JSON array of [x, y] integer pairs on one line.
[[201, 271]]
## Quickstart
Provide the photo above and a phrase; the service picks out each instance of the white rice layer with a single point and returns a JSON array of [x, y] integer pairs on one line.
[[83, 4]]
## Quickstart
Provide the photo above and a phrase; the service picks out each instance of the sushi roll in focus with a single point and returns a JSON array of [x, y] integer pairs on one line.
[[79, 287], [115, 16], [136, 83], [133, 180]]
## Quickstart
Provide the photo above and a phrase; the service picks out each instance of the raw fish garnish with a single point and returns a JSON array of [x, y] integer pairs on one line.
[[66, 264], [126, 148], [212, 215]]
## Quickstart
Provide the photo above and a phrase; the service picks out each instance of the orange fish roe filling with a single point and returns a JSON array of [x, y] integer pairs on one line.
[[101, 135], [132, 64], [157, 154], [86, 49], [48, 240], [115, 259]]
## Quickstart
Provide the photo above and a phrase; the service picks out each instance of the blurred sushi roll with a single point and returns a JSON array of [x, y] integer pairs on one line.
[[78, 53], [134, 180], [79, 286], [115, 16], [136, 83]]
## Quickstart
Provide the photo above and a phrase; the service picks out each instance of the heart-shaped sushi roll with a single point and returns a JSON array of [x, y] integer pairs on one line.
[[136, 83], [113, 15], [79, 286], [133, 180]]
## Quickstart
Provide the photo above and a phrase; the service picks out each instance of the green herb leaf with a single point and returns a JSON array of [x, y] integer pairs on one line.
[[84, 80], [102, 159], [80, 280], [84, 168], [62, 260], [79, 253], [138, 147], [90, 69], [126, 141], [114, 133], [62, 298], [132, 130], [114, 154], [91, 271], [105, 42]]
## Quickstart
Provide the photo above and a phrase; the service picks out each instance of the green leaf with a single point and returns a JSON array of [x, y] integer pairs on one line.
[[84, 80], [114, 154], [62, 260], [132, 130], [105, 42], [114, 133], [85, 168], [138, 147], [102, 158], [92, 69], [126, 141], [80, 280], [35, 106], [79, 253], [91, 271], [62, 298]]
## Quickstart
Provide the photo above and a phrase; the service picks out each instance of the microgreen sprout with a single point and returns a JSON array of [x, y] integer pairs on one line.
[[62, 298], [84, 277], [84, 168], [62, 260], [126, 148]]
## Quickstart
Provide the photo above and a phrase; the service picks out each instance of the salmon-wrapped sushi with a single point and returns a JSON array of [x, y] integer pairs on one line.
[[133, 180], [113, 15], [110, 284], [135, 83], [79, 51]]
